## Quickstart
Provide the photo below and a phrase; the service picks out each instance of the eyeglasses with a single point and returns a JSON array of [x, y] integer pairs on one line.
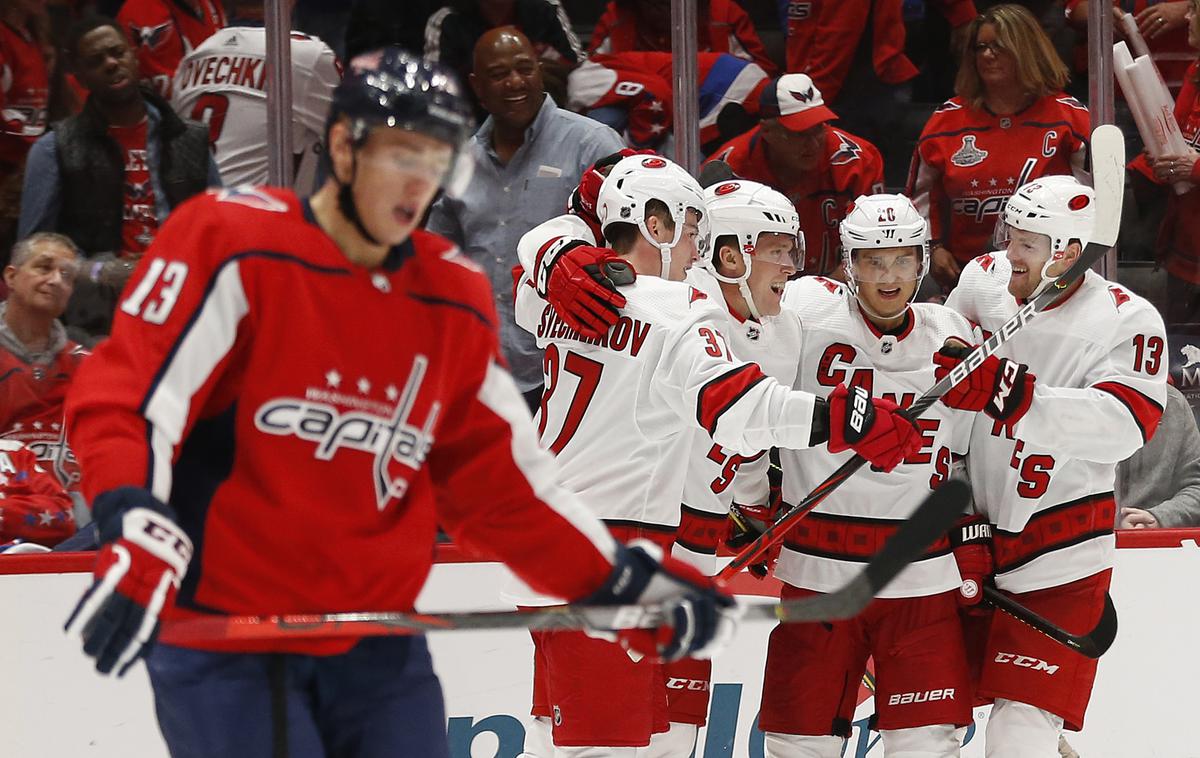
[[982, 47]]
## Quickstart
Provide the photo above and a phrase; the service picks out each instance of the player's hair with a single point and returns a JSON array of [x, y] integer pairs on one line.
[[84, 26], [24, 249], [622, 236], [1039, 69]]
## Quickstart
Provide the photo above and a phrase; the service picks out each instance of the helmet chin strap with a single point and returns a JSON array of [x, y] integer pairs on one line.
[[743, 284], [664, 248], [1046, 279], [346, 200]]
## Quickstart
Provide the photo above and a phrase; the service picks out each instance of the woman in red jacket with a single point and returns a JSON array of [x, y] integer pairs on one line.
[[1179, 236], [1009, 122]]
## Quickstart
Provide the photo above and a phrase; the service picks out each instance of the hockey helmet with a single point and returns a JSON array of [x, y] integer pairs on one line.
[[1057, 206], [874, 222], [635, 181], [744, 210]]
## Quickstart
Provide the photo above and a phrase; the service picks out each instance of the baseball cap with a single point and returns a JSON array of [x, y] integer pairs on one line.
[[795, 101]]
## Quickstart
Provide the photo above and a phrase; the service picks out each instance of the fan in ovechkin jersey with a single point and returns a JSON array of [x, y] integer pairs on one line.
[[222, 83]]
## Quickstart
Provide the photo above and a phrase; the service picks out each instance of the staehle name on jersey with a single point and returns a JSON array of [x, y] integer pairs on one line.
[[366, 425]]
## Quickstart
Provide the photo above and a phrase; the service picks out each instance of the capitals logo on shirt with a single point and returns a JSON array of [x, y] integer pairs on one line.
[[335, 420], [152, 36], [968, 154], [848, 150]]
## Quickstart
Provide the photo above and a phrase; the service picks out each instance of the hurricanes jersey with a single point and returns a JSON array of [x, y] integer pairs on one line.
[[1100, 361]]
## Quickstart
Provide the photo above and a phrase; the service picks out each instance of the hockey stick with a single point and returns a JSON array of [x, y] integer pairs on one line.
[[1108, 172], [1093, 644], [928, 523]]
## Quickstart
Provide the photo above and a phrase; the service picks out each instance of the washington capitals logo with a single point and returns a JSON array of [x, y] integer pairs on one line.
[[847, 152], [151, 36], [804, 96], [392, 439], [968, 154]]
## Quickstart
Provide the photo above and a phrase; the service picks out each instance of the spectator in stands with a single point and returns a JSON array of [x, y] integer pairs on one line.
[[453, 30], [722, 27], [528, 156], [862, 79], [1009, 122], [37, 359], [1159, 486], [24, 97], [163, 31], [818, 166], [223, 83], [1162, 24], [34, 507], [109, 176], [1179, 237]]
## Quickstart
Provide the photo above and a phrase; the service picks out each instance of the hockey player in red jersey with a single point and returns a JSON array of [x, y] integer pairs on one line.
[[620, 412], [819, 167], [295, 394], [1080, 388], [869, 333]]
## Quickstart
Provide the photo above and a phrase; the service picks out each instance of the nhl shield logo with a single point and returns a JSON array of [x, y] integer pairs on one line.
[[887, 344], [968, 154], [557, 716]]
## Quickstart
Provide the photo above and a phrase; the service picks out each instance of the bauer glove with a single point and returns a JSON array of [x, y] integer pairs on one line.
[[872, 427], [143, 556], [701, 618]]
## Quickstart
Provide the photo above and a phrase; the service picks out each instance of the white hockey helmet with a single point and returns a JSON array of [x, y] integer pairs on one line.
[[744, 209], [1057, 206], [874, 222], [635, 181]]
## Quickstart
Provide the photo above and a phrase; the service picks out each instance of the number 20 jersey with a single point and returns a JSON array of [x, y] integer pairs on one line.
[[1100, 358]]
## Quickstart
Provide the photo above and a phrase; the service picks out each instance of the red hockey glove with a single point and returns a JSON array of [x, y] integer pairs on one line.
[[971, 539], [702, 617], [746, 524], [1001, 388], [143, 556], [873, 428], [582, 290]]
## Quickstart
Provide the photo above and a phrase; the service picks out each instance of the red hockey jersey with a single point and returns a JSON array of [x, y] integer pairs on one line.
[[33, 505], [969, 161], [850, 167], [31, 407], [163, 31], [823, 37], [729, 30], [312, 421], [24, 93]]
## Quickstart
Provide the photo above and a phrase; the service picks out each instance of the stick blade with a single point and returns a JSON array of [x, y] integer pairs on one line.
[[1108, 180], [1100, 639]]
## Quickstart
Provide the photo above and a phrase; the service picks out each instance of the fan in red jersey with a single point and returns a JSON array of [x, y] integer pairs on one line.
[[819, 167], [163, 31], [24, 96], [296, 393], [1009, 123]]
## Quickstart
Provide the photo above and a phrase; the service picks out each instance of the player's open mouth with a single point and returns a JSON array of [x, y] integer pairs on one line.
[[777, 287], [405, 214], [1019, 271], [888, 294]]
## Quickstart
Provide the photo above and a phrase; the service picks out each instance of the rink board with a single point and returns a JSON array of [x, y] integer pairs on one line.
[[52, 705]]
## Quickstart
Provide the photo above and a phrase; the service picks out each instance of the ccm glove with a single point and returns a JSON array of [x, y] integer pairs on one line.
[[701, 618], [872, 427], [581, 283], [143, 556], [1001, 388], [971, 539]]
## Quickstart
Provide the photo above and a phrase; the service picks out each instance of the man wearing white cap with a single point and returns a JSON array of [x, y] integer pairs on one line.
[[818, 166]]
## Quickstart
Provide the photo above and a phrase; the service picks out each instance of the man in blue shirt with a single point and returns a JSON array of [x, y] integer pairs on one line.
[[528, 156]]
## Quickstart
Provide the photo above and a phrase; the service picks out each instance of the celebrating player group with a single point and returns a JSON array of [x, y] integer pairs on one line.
[[298, 392]]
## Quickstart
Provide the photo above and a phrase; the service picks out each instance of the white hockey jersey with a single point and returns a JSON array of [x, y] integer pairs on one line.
[[222, 83], [774, 344], [1100, 359], [829, 546]]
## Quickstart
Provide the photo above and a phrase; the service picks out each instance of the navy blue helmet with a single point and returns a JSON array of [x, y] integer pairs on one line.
[[390, 87]]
